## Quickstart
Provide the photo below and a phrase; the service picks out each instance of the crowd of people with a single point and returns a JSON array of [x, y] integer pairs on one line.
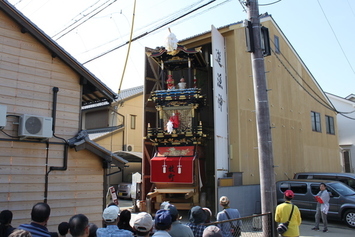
[[117, 223]]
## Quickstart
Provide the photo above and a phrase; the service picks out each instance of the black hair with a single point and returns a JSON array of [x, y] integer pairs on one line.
[[92, 230], [323, 184], [288, 198], [141, 233], [63, 228], [40, 212], [162, 226], [5, 221], [77, 224]]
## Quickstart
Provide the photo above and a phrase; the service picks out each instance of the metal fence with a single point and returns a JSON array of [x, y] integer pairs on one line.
[[250, 226]]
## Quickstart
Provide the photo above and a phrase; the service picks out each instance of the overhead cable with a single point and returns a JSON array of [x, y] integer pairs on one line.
[[336, 38], [146, 33]]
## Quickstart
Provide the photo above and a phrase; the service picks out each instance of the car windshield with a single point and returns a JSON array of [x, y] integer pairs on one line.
[[342, 189]]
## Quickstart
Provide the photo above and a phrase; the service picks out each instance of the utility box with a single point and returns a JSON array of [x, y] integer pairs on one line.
[[3, 111]]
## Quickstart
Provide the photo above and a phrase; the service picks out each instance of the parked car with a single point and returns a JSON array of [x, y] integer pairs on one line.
[[347, 178], [124, 190], [341, 204]]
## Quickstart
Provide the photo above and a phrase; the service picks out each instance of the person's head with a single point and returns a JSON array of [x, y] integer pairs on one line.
[[5, 217], [212, 231], [172, 210], [125, 216], [79, 225], [111, 215], [224, 201], [92, 230], [63, 228], [143, 224], [208, 213], [20, 233], [197, 215], [162, 220], [40, 212], [322, 186], [288, 194]]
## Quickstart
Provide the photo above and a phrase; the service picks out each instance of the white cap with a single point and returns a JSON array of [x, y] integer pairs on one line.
[[111, 213]]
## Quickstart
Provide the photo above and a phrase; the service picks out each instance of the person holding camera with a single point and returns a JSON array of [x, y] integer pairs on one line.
[[289, 214]]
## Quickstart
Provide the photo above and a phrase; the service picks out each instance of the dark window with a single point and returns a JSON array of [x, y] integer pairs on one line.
[[315, 189], [284, 187], [300, 188], [347, 164], [97, 119], [277, 44], [133, 121], [315, 119], [329, 123]]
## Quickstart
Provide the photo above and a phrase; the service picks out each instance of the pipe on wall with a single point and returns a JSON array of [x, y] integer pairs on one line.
[[65, 144]]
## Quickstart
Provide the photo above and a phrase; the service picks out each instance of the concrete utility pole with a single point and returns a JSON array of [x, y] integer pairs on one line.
[[267, 176]]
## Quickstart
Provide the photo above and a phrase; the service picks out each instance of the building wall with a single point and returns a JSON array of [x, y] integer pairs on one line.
[[28, 75], [295, 146], [133, 107], [345, 128]]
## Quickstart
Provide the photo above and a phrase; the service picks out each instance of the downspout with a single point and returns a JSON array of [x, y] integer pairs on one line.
[[66, 145]]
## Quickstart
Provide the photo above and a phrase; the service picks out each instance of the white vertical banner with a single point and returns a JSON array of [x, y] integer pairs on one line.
[[220, 104]]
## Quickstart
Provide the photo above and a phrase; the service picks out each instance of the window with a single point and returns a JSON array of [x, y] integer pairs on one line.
[[133, 121], [277, 44], [347, 163], [315, 119], [329, 123], [300, 188]]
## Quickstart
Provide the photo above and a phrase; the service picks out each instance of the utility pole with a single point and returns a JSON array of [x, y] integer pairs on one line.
[[266, 163]]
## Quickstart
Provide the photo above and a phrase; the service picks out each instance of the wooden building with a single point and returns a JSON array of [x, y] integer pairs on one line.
[[45, 157]]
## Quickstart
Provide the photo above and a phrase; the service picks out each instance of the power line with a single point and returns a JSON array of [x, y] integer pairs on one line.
[[336, 38], [80, 14], [87, 19], [149, 32], [320, 100]]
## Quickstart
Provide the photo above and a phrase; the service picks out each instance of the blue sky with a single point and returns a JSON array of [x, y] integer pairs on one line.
[[324, 43]]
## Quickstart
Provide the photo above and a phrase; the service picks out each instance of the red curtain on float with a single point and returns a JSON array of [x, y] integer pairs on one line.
[[173, 165]]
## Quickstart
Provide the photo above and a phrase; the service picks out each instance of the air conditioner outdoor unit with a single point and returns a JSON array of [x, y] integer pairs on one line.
[[129, 147], [35, 126]]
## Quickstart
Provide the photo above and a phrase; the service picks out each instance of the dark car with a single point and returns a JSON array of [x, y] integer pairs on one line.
[[341, 204], [347, 178]]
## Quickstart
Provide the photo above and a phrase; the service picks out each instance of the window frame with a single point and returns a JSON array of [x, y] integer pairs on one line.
[[316, 121], [133, 119], [329, 124]]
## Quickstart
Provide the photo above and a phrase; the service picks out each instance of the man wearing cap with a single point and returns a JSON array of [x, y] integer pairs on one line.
[[226, 214], [197, 218], [177, 229], [162, 223], [283, 212], [143, 224], [111, 217]]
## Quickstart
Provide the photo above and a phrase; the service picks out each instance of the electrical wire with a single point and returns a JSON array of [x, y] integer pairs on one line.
[[336, 38], [75, 21], [147, 33], [86, 20], [320, 101], [129, 46]]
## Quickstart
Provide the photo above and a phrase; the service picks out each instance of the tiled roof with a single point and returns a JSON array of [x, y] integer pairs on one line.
[[123, 95], [130, 92]]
